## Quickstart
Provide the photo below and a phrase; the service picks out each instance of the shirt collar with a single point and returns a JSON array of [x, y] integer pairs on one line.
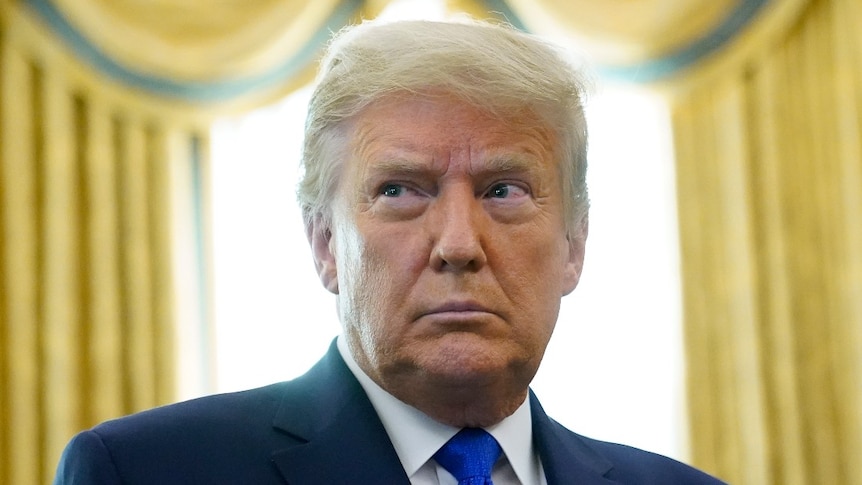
[[416, 437]]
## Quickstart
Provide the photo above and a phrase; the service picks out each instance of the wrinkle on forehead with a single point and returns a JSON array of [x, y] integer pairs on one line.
[[486, 142]]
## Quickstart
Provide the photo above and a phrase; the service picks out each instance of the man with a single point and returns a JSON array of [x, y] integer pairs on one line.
[[445, 202]]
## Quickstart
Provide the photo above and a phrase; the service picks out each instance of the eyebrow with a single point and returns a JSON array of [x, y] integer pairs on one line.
[[503, 163], [398, 167], [511, 163]]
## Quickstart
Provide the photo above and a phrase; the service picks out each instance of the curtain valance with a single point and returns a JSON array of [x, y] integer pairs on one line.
[[212, 52], [198, 51], [658, 40]]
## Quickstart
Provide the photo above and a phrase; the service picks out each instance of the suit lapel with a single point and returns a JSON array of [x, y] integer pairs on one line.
[[565, 457], [340, 437]]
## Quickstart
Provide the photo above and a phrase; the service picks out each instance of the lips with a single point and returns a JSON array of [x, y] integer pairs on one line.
[[455, 309]]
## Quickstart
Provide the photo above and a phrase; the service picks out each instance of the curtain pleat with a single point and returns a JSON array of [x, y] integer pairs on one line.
[[167, 146], [102, 336], [771, 135], [135, 285], [21, 272], [769, 184], [726, 406], [58, 186]]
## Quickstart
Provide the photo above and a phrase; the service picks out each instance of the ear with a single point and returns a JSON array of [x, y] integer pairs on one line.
[[577, 240], [319, 238]]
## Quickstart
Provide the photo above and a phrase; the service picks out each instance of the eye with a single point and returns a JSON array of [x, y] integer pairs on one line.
[[392, 190], [505, 191], [499, 191], [399, 201]]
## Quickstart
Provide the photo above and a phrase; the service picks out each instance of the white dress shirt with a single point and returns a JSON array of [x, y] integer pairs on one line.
[[416, 437]]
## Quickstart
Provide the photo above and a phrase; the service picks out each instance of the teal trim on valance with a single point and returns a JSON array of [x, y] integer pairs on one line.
[[657, 69], [650, 70], [502, 9], [688, 55], [194, 91]]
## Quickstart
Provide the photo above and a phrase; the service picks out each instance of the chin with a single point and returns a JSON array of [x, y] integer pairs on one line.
[[473, 363]]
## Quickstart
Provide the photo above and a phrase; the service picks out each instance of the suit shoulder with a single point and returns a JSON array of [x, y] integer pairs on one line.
[[219, 410], [196, 441], [86, 460], [636, 466]]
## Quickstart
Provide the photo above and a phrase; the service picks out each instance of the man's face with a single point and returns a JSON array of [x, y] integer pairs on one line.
[[448, 250]]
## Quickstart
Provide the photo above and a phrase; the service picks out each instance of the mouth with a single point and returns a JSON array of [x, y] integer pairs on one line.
[[459, 310]]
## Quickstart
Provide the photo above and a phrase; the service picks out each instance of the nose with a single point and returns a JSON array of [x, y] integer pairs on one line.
[[458, 232]]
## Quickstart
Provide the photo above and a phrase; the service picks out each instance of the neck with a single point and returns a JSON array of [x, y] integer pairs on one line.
[[471, 408]]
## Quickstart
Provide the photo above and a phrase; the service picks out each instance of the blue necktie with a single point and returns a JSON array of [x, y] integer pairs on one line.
[[469, 456]]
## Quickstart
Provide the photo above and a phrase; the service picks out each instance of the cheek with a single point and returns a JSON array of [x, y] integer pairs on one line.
[[374, 278], [392, 257], [535, 264], [532, 274]]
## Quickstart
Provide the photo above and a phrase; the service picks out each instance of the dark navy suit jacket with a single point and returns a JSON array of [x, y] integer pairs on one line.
[[317, 429]]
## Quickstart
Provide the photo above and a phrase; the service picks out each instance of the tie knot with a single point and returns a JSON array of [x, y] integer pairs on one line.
[[469, 456]]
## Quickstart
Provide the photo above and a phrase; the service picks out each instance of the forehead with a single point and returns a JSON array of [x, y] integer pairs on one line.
[[446, 128]]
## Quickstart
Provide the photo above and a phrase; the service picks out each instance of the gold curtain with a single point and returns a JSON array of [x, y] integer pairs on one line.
[[85, 254], [105, 107], [769, 169]]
